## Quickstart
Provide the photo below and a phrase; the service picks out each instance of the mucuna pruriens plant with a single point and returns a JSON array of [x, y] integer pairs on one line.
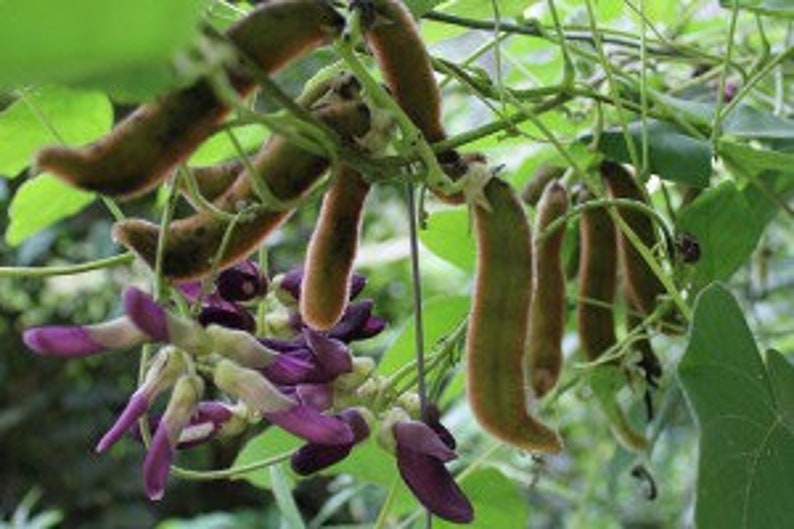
[[332, 250], [543, 356], [213, 180], [544, 174], [193, 243], [498, 324], [143, 148], [642, 285]]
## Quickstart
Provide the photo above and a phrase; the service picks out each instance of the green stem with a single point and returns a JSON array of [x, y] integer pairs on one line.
[[229, 473], [67, 270]]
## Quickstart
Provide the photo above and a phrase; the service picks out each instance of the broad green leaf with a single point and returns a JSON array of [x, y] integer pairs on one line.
[[496, 500], [420, 7], [270, 443], [783, 8], [746, 444], [781, 374], [219, 147], [449, 237], [726, 225], [44, 41], [483, 9], [47, 116], [441, 315], [41, 202], [672, 154], [756, 160]]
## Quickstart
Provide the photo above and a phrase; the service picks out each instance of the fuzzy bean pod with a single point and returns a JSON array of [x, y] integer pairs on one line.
[[288, 171], [143, 148], [544, 174], [543, 355], [498, 324]]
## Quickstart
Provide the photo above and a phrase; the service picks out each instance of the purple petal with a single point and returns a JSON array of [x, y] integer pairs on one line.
[[147, 315], [332, 354], [251, 387], [311, 425], [241, 282], [372, 327], [357, 423], [419, 437], [296, 367], [433, 420], [227, 315], [353, 319], [311, 458], [212, 411], [192, 290], [157, 464], [433, 485], [284, 346], [291, 282], [136, 407], [357, 284], [318, 396], [83, 340]]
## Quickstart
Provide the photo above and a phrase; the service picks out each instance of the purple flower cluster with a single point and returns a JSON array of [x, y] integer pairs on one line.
[[306, 382]]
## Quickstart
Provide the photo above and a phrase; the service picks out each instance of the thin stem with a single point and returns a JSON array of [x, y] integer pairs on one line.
[[716, 129], [229, 473], [416, 280], [67, 270]]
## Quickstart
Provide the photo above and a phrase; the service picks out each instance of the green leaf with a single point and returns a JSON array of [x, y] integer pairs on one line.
[[219, 147], [496, 501], [746, 445], [448, 236], [781, 374], [672, 154], [286, 503], [420, 7], [44, 41], [782, 8], [440, 317], [480, 9], [272, 442], [46, 116], [725, 224], [756, 160], [41, 202]]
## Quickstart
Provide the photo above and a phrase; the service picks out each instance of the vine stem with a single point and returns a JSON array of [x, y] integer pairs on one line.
[[716, 129], [66, 270], [228, 473]]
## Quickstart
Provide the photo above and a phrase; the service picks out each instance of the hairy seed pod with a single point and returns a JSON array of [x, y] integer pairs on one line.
[[213, 180], [332, 250], [147, 145], [642, 285], [193, 243], [597, 281], [543, 354], [498, 324], [543, 175]]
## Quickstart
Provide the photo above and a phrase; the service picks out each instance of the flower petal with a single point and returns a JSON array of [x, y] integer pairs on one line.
[[433, 420], [227, 315], [318, 396], [308, 423], [311, 458], [332, 354], [419, 437], [241, 282], [291, 282], [296, 367], [251, 387], [157, 464], [147, 315], [353, 319], [433, 485], [83, 340], [136, 407], [357, 284]]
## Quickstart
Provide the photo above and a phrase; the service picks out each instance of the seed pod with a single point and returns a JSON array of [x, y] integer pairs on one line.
[[543, 175], [597, 281], [543, 355], [642, 285], [213, 180], [193, 243], [498, 324], [332, 250], [148, 144]]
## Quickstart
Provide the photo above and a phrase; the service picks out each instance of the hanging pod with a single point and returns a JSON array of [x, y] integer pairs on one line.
[[498, 323], [543, 356], [143, 148]]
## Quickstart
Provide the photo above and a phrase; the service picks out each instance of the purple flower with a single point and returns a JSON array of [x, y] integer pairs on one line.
[[260, 395], [357, 323], [312, 457], [162, 326], [421, 453], [165, 369], [292, 280], [226, 314], [242, 282], [321, 360], [181, 406], [83, 340]]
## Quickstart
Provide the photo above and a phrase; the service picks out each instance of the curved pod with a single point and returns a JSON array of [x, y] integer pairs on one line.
[[192, 244], [143, 148], [498, 324], [332, 251], [543, 356]]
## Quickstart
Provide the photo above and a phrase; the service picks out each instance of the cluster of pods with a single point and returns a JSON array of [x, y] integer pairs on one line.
[[294, 367]]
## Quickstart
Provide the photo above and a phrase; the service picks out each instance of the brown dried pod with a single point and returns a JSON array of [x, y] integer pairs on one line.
[[544, 174], [143, 148]]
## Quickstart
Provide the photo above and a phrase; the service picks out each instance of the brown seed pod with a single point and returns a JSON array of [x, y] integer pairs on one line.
[[498, 324], [543, 356], [598, 267], [642, 285], [147, 145], [192, 244], [213, 180], [544, 174], [332, 250]]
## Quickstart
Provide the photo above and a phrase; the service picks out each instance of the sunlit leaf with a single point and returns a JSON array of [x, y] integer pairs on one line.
[[782, 8], [742, 408], [271, 443], [449, 237]]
